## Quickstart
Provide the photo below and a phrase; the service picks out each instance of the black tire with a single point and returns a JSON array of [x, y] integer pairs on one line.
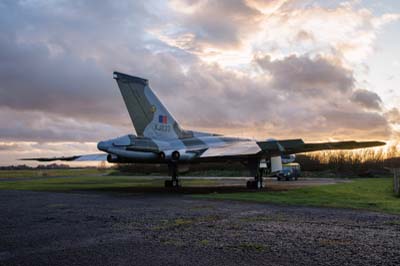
[[254, 184], [175, 183], [249, 184]]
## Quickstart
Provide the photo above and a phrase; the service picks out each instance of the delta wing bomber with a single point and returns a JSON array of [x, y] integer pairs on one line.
[[160, 139]]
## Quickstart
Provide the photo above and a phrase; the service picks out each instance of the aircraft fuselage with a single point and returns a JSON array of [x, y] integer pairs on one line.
[[131, 148]]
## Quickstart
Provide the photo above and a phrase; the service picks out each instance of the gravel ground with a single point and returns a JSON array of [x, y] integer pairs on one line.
[[43, 228]]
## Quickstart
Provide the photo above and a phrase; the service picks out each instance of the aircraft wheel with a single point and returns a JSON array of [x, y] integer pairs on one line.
[[251, 184], [248, 184], [254, 184], [259, 184], [175, 183]]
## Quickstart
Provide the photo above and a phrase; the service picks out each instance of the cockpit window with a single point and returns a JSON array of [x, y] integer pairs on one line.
[[122, 141]]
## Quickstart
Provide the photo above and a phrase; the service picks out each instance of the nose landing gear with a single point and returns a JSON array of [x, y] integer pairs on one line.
[[174, 182]]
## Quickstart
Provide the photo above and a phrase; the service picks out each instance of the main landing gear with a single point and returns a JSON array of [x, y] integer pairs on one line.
[[257, 169], [174, 182], [257, 183]]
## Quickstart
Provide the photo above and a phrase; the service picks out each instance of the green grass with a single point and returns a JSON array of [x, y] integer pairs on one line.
[[91, 183], [36, 173], [369, 194]]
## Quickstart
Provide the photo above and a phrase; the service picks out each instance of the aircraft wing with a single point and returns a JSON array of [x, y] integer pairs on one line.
[[76, 158], [293, 146], [246, 149], [234, 150], [243, 150]]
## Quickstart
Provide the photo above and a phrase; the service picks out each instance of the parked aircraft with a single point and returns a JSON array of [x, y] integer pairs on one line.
[[160, 139]]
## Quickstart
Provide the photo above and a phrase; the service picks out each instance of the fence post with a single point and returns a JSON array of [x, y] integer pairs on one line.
[[396, 182]]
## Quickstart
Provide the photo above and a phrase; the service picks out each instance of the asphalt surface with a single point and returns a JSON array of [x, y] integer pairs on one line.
[[86, 228]]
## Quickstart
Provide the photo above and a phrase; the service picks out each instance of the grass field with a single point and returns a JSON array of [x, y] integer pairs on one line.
[[91, 183], [33, 173], [369, 194]]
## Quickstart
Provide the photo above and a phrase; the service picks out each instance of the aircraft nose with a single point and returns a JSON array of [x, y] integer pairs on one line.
[[102, 145]]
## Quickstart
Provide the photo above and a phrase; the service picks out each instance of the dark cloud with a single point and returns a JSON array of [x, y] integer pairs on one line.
[[314, 77], [44, 127], [212, 97], [367, 99], [221, 23], [355, 120], [32, 80], [319, 93], [52, 59]]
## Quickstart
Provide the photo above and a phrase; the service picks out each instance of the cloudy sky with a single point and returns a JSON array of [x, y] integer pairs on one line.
[[319, 70]]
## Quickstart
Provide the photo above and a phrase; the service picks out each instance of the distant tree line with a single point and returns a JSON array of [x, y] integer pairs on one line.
[[361, 162], [40, 166]]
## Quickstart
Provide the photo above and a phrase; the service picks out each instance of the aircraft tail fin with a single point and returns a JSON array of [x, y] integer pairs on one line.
[[149, 116]]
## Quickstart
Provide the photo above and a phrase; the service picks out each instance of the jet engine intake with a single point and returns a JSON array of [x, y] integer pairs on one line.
[[175, 155], [112, 158], [161, 155]]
